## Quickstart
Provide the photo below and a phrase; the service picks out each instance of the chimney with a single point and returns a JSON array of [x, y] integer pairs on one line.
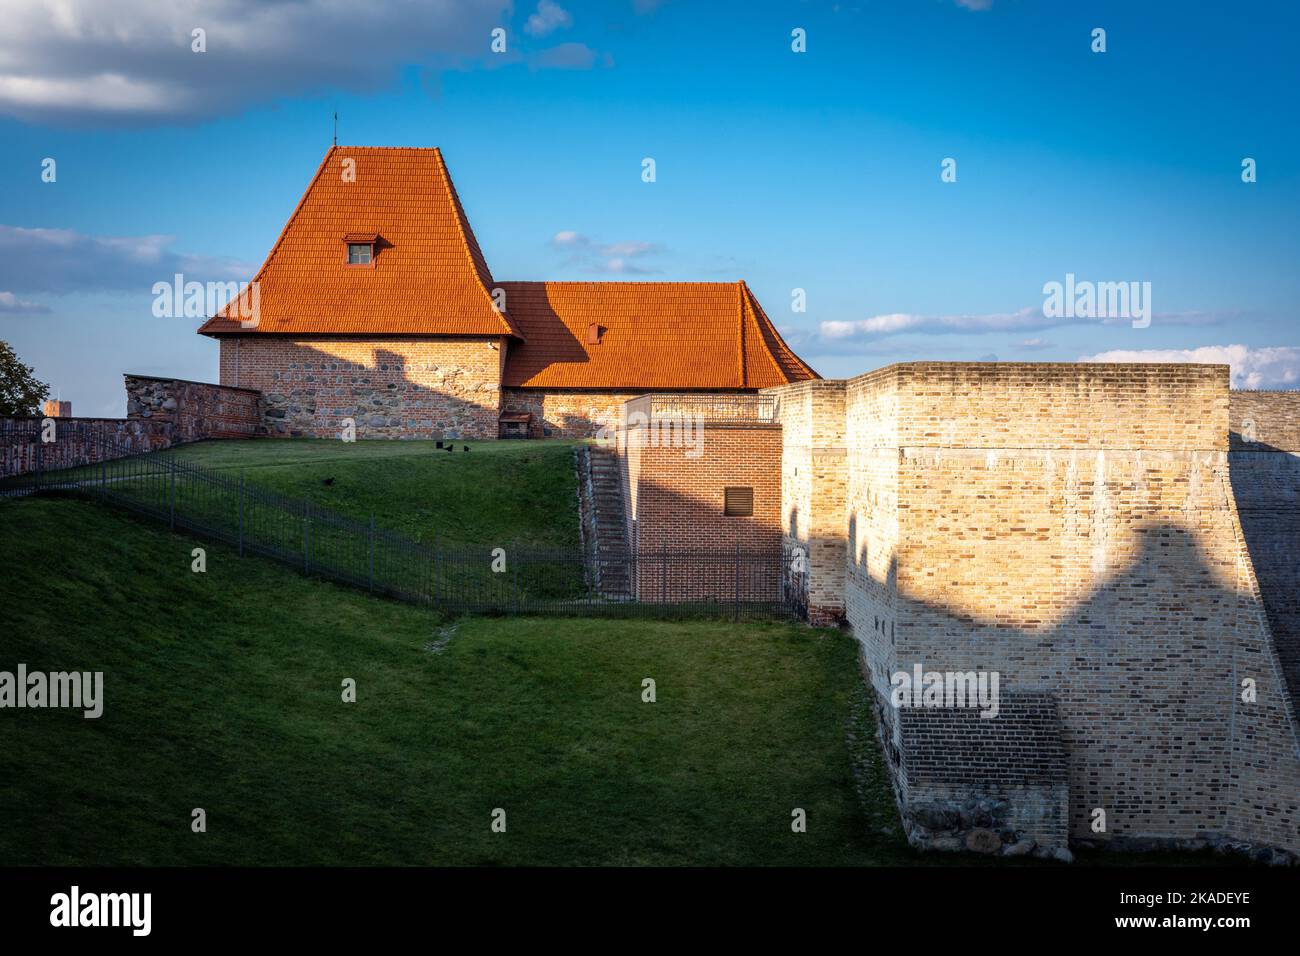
[[594, 332]]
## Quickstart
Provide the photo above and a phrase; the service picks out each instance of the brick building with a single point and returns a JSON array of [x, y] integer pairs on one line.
[[701, 474], [377, 305]]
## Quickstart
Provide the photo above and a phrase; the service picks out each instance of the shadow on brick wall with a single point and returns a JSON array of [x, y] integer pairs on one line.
[[1146, 669], [1266, 486]]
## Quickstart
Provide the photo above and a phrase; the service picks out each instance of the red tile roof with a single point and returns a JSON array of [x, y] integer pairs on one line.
[[429, 276], [659, 335]]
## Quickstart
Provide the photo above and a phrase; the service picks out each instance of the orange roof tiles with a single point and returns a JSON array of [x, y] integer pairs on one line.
[[660, 335], [428, 276]]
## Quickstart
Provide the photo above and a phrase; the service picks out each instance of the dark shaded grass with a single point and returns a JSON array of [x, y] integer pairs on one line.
[[223, 692]]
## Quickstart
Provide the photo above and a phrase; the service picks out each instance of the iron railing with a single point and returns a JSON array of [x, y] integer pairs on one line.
[[735, 584], [711, 409]]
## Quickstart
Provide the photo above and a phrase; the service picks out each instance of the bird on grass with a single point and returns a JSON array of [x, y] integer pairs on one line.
[[327, 482]]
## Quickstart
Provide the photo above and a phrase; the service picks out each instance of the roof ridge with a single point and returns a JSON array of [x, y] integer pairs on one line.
[[740, 342], [462, 227], [773, 340], [279, 240], [606, 282], [421, 149]]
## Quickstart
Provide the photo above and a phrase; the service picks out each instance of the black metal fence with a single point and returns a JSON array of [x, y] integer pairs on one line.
[[322, 542]]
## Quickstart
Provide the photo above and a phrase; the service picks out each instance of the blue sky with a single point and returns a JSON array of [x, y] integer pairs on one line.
[[817, 170]]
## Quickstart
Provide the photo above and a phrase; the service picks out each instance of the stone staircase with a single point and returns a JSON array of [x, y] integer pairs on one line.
[[603, 521]]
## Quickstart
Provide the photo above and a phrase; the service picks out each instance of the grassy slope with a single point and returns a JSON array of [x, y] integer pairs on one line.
[[498, 492], [222, 692]]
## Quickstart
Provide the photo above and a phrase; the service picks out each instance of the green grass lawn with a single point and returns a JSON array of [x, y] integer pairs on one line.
[[222, 691], [503, 493]]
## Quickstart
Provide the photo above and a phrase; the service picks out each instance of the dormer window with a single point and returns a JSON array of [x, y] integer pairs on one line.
[[361, 248]]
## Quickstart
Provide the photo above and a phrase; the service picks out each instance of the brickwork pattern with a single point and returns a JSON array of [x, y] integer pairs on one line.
[[1006, 775], [1020, 745], [1259, 421], [675, 503], [1059, 405], [78, 441], [1264, 467]]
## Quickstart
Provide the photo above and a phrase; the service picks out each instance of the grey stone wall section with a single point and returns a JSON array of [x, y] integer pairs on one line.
[[195, 410]]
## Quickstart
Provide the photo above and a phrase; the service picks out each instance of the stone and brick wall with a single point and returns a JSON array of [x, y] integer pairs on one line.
[[194, 410], [161, 412], [989, 785], [871, 413], [77, 441], [391, 388], [559, 414]]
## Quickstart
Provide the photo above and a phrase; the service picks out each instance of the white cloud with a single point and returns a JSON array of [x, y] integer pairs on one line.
[[621, 266], [975, 4], [86, 60], [629, 249], [548, 18], [1276, 367], [895, 323], [61, 261], [10, 304], [612, 257], [1033, 345], [566, 56], [1025, 320]]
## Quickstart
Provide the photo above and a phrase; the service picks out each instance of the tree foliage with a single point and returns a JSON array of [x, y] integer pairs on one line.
[[21, 393]]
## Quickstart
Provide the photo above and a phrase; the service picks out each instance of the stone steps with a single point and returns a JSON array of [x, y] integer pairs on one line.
[[608, 523]]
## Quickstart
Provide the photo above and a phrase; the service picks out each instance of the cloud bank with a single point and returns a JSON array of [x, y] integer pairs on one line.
[[80, 61], [1276, 367], [64, 261], [1025, 320]]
